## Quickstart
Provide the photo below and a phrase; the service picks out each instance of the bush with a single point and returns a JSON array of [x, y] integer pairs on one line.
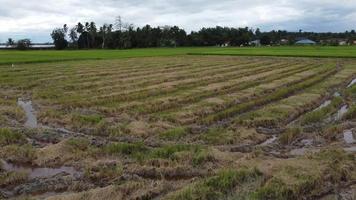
[[23, 44]]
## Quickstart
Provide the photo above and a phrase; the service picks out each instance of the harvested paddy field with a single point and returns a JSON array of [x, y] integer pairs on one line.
[[179, 127]]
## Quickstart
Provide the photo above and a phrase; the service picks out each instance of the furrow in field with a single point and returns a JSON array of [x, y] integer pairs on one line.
[[281, 93], [180, 75], [76, 70], [123, 83], [221, 84], [182, 79], [286, 110], [249, 90], [179, 65], [245, 81]]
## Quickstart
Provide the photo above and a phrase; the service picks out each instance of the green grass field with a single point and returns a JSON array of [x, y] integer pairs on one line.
[[9, 57]]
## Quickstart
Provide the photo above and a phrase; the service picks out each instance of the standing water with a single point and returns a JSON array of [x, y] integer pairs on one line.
[[31, 120], [349, 137], [323, 105], [343, 110], [38, 172], [269, 141], [352, 83]]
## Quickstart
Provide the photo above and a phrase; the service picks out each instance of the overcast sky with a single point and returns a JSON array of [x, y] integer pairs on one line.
[[36, 18]]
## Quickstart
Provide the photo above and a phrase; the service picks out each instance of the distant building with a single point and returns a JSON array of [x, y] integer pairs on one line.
[[255, 43], [342, 42], [305, 42], [226, 44], [284, 42], [335, 42]]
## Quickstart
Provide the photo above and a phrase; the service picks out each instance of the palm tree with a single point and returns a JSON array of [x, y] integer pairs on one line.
[[10, 42]]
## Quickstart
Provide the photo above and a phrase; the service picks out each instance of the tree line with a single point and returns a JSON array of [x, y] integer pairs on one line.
[[121, 35]]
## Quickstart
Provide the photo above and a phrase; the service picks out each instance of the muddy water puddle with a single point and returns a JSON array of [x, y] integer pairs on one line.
[[341, 112], [269, 141], [323, 105], [349, 137], [353, 82], [337, 94], [350, 149], [34, 172], [31, 120]]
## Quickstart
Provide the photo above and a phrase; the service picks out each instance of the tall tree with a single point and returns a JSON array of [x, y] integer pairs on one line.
[[73, 35], [10, 42], [23, 44], [59, 38]]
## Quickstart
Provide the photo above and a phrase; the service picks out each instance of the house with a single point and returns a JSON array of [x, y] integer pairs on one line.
[[342, 42], [255, 43], [284, 42], [305, 42], [335, 41], [226, 44]]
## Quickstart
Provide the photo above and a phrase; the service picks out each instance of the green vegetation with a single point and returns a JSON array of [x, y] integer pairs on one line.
[[217, 187], [331, 132], [18, 154], [322, 113], [103, 172], [140, 152], [174, 134], [8, 136], [289, 136], [12, 178], [293, 51], [9, 57], [351, 113], [292, 182]]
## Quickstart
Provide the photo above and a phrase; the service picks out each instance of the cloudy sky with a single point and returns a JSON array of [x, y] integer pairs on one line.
[[36, 18]]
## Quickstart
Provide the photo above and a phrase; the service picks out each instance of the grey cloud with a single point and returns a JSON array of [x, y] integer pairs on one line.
[[36, 18]]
